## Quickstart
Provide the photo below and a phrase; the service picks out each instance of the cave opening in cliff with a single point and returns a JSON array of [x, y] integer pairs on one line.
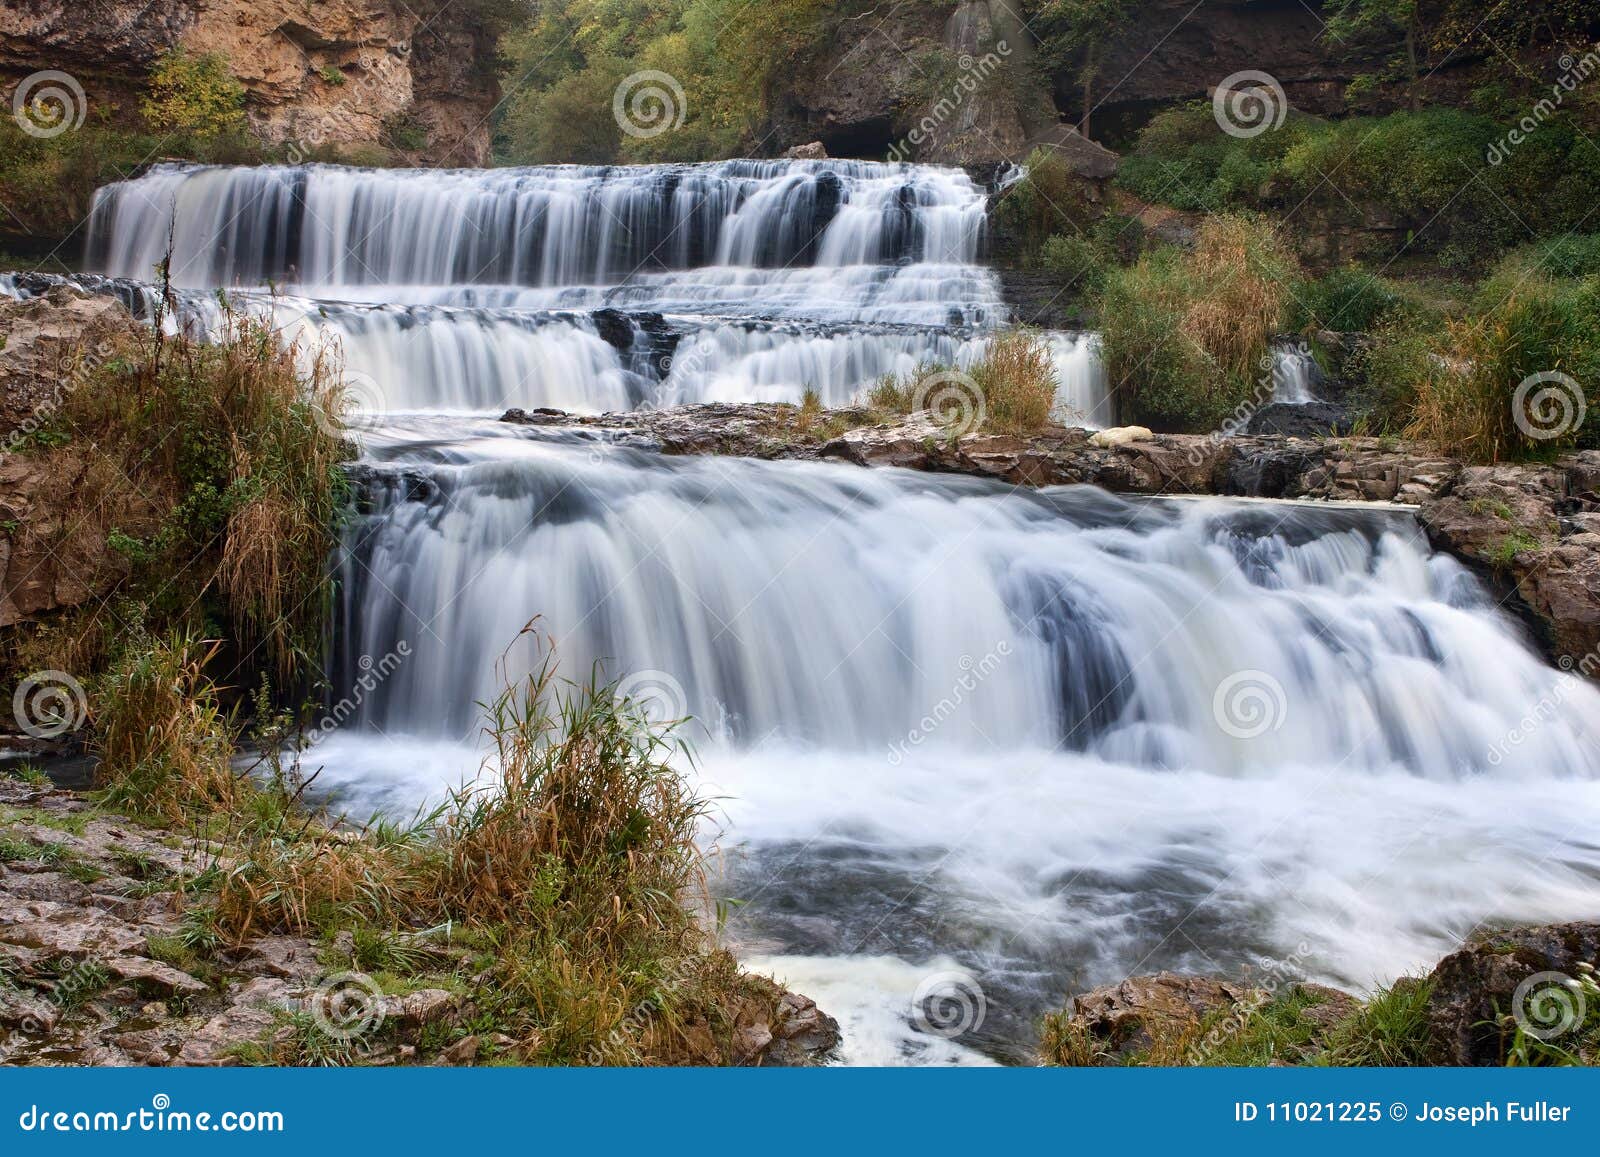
[[868, 140]]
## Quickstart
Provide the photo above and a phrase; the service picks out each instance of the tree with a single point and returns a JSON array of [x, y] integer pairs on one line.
[[1362, 19], [1079, 31]]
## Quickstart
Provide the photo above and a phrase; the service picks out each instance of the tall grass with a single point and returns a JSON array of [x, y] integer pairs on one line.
[[163, 741], [203, 466], [1185, 334], [1013, 386]]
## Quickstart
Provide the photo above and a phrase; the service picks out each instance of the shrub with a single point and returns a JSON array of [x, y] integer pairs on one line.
[[1046, 202], [1348, 299], [206, 467], [1184, 336], [1078, 261], [1467, 404], [194, 95]]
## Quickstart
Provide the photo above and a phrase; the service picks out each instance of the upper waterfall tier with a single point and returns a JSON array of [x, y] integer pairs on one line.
[[323, 225]]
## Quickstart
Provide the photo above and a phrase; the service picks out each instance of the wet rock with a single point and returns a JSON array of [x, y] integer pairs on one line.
[[29, 1014], [1136, 1014], [1305, 420], [67, 930], [153, 973], [423, 1007], [814, 151], [803, 1035], [286, 957], [463, 1052], [1473, 988], [251, 1015]]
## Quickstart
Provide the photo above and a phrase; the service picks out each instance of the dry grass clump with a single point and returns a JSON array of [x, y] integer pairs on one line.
[[1013, 387], [205, 479], [164, 743], [1186, 336], [1017, 381], [1515, 382], [575, 875]]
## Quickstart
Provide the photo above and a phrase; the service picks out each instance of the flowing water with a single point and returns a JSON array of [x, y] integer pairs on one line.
[[972, 744]]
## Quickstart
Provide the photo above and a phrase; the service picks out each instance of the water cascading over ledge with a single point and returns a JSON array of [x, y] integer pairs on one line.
[[464, 290], [1045, 738]]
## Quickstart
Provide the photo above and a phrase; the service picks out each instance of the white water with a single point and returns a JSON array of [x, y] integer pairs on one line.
[[1038, 740]]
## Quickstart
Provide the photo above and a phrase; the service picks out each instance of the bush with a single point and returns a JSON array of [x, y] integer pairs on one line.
[[1349, 299], [1078, 261], [1185, 336], [1046, 202], [1467, 403], [194, 95], [211, 468], [1013, 386]]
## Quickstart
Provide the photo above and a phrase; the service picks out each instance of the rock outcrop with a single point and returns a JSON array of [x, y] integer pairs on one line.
[[919, 82], [339, 73]]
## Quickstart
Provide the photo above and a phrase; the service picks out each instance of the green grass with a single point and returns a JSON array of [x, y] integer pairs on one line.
[[1390, 1030]]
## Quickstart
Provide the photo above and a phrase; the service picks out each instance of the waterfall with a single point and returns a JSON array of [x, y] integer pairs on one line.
[[1294, 374], [1048, 737]]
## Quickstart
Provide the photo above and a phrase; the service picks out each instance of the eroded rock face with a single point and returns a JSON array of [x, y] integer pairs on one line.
[[1474, 988], [332, 73]]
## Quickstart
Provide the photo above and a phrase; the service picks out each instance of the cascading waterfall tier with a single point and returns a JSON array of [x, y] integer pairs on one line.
[[1024, 735], [323, 225]]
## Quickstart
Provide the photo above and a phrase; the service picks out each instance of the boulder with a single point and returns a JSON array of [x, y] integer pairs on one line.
[[1475, 987]]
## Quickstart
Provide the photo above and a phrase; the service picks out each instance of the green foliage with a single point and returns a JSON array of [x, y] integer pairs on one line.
[[194, 95], [1427, 169], [1389, 1031], [1348, 299], [564, 65], [1185, 335], [1047, 202]]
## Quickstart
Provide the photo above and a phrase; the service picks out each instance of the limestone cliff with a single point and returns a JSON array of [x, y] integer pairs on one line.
[[337, 72]]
